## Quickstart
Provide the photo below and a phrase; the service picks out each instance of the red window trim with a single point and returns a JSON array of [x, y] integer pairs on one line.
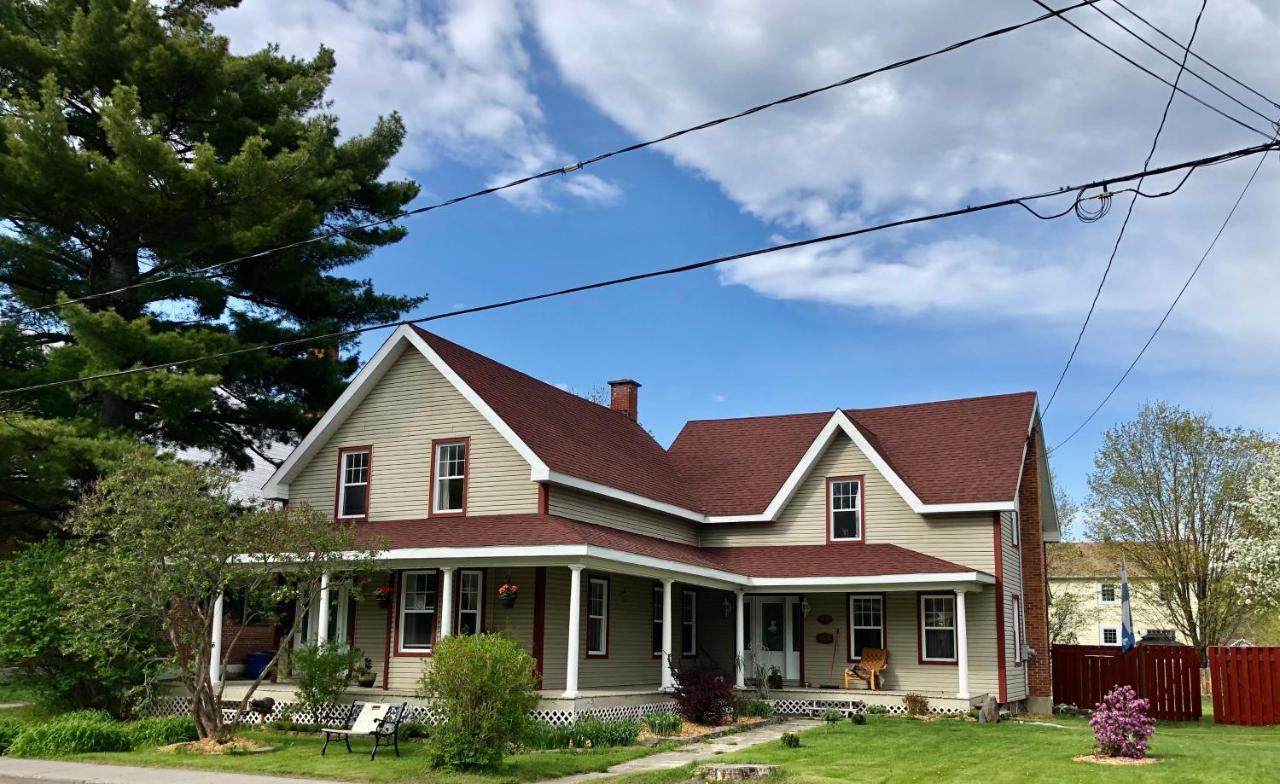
[[457, 597], [920, 597], [539, 620], [848, 620], [1018, 631], [683, 654], [436, 443], [1001, 631], [608, 615], [862, 509], [395, 642], [337, 489]]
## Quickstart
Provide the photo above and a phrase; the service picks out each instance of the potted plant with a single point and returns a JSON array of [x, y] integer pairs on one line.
[[507, 594], [382, 595], [775, 678], [365, 676]]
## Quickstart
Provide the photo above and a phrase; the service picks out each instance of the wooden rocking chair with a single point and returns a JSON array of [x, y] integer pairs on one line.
[[869, 669]]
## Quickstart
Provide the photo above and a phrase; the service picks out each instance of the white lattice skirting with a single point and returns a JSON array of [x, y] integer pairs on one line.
[[337, 714], [801, 707]]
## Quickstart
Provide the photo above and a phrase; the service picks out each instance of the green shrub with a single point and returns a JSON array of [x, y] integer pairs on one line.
[[917, 704], [415, 730], [324, 672], [877, 710], [790, 740], [162, 731], [589, 732], [755, 707], [482, 688], [704, 696], [832, 717], [73, 733], [858, 719], [663, 723], [9, 729]]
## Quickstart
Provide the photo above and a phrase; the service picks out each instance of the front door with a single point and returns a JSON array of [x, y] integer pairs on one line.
[[768, 637]]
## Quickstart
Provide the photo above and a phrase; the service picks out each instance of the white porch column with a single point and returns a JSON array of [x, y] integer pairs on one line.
[[740, 644], [962, 647], [667, 681], [322, 615], [215, 649], [575, 628], [446, 601]]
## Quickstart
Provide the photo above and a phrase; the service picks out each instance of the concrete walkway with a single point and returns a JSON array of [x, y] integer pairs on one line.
[[26, 771], [696, 752]]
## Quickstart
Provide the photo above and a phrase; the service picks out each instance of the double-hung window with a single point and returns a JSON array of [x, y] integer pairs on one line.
[[353, 483], [1017, 630], [597, 616], [418, 611], [470, 600], [688, 623], [1108, 594], [449, 486], [655, 634], [844, 499], [938, 627], [866, 623]]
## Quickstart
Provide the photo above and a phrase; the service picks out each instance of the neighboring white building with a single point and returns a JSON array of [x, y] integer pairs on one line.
[[1091, 570]]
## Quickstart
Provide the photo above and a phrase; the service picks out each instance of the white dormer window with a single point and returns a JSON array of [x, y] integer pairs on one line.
[[353, 483], [844, 509], [449, 482]]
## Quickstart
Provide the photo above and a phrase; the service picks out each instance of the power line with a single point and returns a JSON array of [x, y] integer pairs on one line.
[[1175, 41], [1155, 141], [1169, 311], [1182, 65], [567, 169], [1079, 190], [1155, 75]]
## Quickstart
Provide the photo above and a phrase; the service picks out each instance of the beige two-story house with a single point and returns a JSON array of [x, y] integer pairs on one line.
[[785, 544]]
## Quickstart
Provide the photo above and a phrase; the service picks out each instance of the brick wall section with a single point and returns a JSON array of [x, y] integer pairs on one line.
[[254, 637], [1034, 572]]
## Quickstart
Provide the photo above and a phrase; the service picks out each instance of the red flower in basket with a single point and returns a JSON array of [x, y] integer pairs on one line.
[[507, 593], [382, 595]]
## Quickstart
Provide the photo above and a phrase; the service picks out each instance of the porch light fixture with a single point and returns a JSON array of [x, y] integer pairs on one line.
[[804, 607]]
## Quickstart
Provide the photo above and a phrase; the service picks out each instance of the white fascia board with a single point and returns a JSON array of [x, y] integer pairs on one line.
[[277, 486], [840, 422], [620, 495], [896, 580]]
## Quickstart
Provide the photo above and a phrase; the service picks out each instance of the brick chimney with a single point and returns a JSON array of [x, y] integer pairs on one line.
[[624, 396]]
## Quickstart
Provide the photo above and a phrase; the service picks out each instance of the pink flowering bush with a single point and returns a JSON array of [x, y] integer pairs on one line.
[[1121, 724]]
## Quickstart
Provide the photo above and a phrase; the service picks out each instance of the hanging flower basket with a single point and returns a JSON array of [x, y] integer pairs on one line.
[[507, 595], [382, 595]]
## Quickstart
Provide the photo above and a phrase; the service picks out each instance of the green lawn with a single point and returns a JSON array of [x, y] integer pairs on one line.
[[906, 751], [15, 692], [300, 756]]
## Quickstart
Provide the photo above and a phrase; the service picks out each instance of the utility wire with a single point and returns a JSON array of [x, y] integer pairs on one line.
[[1019, 200], [1175, 41], [1155, 141], [1155, 75], [572, 167], [1182, 66], [1169, 311]]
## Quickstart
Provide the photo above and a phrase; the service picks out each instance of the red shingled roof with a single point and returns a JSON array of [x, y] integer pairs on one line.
[[570, 434], [862, 560], [954, 451]]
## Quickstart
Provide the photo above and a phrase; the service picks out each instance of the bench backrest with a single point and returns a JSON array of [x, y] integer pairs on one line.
[[371, 713]]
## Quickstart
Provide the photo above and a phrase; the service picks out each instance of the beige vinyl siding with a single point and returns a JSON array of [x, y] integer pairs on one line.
[[1092, 616], [407, 408], [371, 625], [1015, 677], [579, 505], [824, 664], [964, 539]]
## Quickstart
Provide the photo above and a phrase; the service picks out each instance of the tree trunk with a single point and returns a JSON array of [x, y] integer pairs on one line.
[[122, 270]]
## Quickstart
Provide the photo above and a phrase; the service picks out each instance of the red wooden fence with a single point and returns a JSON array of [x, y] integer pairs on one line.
[[1246, 685], [1166, 675]]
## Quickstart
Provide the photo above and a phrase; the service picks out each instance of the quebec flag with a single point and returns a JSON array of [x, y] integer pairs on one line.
[[1127, 638]]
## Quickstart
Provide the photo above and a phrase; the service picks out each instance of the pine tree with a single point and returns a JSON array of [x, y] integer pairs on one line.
[[135, 147]]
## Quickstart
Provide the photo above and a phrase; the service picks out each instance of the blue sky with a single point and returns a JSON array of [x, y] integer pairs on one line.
[[978, 305]]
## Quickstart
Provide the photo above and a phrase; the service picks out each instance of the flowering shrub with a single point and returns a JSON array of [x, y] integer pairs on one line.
[[1121, 724]]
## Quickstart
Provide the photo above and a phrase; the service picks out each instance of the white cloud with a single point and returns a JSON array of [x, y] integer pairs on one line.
[[459, 74], [718, 398], [1031, 110]]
